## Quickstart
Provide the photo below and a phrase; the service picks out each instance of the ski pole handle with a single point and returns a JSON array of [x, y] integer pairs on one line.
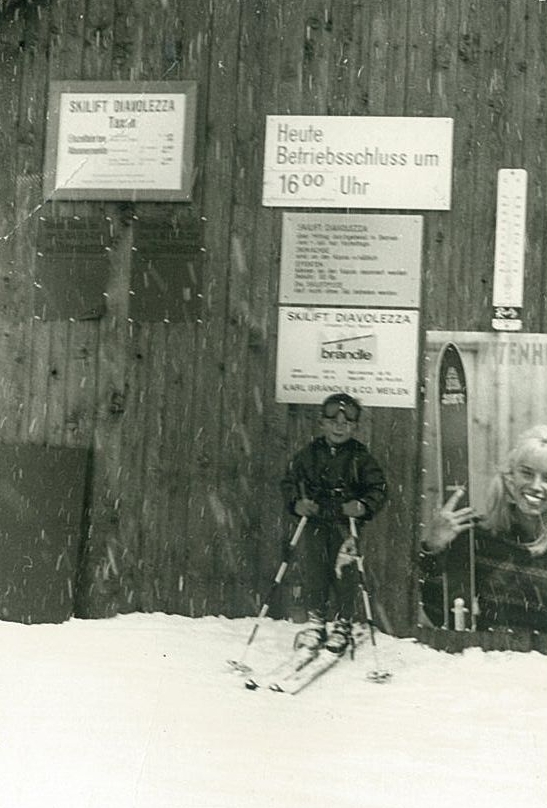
[[353, 527], [298, 532], [358, 558]]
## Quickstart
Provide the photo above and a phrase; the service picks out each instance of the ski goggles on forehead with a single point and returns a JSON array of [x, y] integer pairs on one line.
[[348, 410]]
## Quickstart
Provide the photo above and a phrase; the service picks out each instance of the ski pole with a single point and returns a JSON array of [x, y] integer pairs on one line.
[[377, 675], [472, 579], [240, 665]]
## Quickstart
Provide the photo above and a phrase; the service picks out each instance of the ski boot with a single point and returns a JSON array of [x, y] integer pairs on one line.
[[340, 637], [313, 637]]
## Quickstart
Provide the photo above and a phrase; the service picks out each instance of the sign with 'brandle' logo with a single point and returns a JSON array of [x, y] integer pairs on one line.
[[369, 353], [361, 348]]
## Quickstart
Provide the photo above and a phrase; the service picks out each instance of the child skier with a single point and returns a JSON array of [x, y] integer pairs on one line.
[[333, 478]]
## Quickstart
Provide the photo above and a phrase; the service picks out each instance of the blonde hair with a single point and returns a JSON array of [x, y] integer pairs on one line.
[[532, 446]]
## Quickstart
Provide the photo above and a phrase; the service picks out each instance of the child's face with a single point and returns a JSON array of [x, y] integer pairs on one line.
[[337, 430]]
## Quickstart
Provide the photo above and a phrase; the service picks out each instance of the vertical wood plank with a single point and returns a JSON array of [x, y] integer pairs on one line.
[[103, 591], [132, 472], [11, 31], [203, 515], [375, 56], [38, 369], [81, 378], [55, 421], [262, 542], [14, 360], [46, 378], [345, 47], [488, 148], [235, 507], [535, 162], [186, 51], [438, 234], [516, 66], [317, 55], [67, 38], [33, 92], [154, 553], [14, 353], [98, 40], [144, 495], [461, 262], [127, 47], [398, 57], [180, 445], [419, 59]]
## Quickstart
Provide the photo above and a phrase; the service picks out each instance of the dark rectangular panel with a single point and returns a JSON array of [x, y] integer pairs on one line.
[[41, 523], [72, 267], [165, 271]]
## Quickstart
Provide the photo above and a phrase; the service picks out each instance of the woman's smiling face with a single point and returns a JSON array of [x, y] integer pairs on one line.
[[529, 484]]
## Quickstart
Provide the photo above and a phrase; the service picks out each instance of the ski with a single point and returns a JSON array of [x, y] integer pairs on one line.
[[299, 679], [453, 468], [294, 663], [323, 661]]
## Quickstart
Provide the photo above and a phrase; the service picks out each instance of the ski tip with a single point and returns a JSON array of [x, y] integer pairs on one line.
[[276, 688], [240, 667], [380, 677]]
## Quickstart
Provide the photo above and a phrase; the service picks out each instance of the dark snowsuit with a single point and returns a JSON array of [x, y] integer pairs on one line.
[[331, 476], [511, 583]]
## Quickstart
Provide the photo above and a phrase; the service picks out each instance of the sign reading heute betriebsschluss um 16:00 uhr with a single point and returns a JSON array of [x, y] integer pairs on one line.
[[358, 162]]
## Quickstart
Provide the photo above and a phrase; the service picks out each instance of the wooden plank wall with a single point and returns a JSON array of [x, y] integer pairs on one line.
[[187, 441]]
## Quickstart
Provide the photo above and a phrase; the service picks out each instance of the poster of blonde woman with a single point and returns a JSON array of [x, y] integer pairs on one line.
[[483, 559]]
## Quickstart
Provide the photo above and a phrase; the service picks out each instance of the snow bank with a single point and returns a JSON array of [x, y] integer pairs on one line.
[[141, 711]]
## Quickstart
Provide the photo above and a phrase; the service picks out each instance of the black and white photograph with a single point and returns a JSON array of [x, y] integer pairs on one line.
[[273, 403]]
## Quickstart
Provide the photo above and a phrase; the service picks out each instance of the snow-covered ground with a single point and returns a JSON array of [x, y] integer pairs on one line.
[[142, 711]]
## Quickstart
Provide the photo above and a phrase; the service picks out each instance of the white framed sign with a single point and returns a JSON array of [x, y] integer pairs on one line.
[[340, 258], [371, 354], [337, 161], [120, 140]]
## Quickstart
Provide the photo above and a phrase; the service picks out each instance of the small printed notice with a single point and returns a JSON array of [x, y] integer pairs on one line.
[[360, 259], [369, 353], [358, 162], [509, 249], [119, 140]]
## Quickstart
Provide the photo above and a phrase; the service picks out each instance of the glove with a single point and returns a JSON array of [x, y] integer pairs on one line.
[[346, 555], [354, 508], [305, 507]]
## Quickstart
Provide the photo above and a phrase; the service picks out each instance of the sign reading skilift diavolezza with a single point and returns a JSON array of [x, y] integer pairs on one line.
[[120, 140], [358, 162], [360, 259], [368, 353]]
